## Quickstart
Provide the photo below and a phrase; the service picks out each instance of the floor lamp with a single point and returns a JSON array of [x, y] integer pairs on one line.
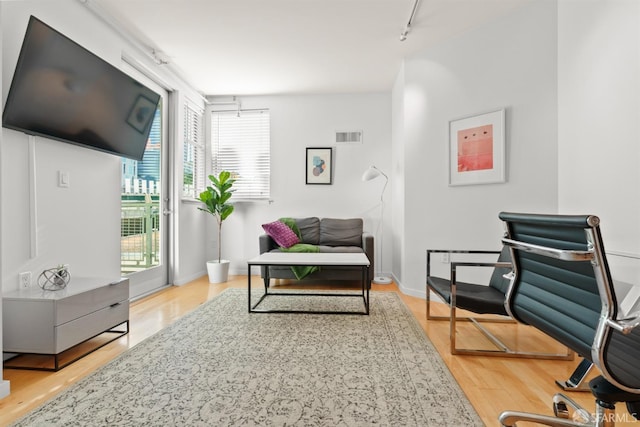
[[372, 173]]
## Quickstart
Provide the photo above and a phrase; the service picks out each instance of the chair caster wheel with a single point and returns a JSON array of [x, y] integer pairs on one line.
[[560, 410]]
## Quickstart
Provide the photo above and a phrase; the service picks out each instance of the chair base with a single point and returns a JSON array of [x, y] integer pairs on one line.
[[501, 350], [567, 414], [576, 380]]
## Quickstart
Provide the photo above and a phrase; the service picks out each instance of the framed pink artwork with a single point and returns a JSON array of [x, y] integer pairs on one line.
[[477, 149]]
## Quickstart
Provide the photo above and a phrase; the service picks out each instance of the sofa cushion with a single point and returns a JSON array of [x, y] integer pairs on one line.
[[341, 232], [340, 249], [281, 234], [309, 230]]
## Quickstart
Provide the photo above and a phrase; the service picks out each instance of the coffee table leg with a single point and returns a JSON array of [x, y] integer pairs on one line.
[[365, 274], [249, 285], [364, 279], [267, 279]]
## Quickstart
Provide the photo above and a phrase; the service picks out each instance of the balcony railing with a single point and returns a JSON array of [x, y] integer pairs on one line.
[[139, 232]]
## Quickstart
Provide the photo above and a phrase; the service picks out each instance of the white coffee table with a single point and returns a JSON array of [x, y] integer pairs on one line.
[[311, 259]]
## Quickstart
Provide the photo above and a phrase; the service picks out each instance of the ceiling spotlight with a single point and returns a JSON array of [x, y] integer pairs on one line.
[[407, 28], [403, 35], [159, 57]]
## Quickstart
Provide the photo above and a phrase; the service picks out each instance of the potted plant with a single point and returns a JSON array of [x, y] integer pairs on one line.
[[216, 200]]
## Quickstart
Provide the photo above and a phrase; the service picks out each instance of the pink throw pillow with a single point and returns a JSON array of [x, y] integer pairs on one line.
[[281, 234]]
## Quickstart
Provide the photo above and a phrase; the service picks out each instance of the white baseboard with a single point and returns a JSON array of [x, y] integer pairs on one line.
[[255, 271], [4, 389], [184, 280], [146, 294], [408, 291]]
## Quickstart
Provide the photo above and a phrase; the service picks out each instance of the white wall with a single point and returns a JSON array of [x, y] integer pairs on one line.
[[398, 238], [298, 122], [4, 385], [508, 63], [192, 243], [599, 122], [74, 225], [78, 225]]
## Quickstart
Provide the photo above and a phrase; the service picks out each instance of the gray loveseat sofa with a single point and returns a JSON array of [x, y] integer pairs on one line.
[[329, 235]]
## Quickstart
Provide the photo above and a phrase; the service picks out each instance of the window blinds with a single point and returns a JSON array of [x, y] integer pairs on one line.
[[194, 159], [240, 143]]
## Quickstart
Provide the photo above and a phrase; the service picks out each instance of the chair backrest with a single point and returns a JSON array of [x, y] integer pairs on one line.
[[562, 286]]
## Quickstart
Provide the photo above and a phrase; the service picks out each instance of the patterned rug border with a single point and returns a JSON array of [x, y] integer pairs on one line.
[[469, 415]]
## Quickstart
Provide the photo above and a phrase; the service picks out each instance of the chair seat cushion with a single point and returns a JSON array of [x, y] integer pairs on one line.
[[469, 296]]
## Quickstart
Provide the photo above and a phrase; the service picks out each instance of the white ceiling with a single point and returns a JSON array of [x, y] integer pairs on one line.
[[242, 47]]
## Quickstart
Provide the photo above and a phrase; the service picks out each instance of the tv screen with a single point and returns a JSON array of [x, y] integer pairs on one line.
[[62, 91]]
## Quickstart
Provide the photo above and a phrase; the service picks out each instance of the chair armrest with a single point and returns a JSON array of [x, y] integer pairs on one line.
[[456, 251], [500, 264], [266, 243], [456, 264], [625, 325], [463, 251], [562, 254], [496, 264]]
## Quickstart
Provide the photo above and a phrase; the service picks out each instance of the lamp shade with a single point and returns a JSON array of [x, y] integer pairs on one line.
[[371, 173]]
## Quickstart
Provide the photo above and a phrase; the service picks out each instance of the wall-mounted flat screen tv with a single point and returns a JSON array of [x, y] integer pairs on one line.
[[62, 91]]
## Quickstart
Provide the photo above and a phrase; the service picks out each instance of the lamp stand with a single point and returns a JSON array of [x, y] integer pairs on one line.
[[380, 279], [372, 173]]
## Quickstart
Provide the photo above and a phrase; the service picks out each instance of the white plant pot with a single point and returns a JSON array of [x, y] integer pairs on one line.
[[218, 271]]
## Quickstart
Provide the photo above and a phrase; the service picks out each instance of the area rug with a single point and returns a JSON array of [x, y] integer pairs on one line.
[[221, 366]]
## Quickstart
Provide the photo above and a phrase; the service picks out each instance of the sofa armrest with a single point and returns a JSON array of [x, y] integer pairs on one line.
[[368, 248], [266, 243]]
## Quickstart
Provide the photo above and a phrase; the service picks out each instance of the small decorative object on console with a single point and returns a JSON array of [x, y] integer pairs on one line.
[[55, 278]]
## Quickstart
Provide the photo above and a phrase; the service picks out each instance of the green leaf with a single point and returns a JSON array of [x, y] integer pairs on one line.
[[226, 211]]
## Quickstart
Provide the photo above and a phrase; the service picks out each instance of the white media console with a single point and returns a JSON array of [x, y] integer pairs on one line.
[[47, 323]]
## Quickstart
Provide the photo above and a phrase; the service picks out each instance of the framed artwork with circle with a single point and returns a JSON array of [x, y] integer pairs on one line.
[[319, 168]]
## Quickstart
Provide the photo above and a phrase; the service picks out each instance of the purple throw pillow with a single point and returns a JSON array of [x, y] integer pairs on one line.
[[281, 234]]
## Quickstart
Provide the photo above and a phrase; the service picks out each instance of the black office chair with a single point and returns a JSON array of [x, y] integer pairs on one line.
[[562, 286], [479, 299]]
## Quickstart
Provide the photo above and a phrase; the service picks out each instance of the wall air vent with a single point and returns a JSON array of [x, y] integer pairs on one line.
[[349, 137]]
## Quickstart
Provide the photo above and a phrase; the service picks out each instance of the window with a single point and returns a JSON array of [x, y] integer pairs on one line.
[[240, 143], [193, 153]]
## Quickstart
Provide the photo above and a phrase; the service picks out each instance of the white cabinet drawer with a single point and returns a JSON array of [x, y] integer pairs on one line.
[[27, 326], [84, 303], [78, 330]]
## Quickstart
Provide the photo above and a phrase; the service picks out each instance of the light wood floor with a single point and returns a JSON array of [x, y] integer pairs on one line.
[[492, 384]]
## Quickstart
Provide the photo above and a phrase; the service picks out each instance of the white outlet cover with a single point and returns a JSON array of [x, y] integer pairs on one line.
[[63, 179], [24, 279]]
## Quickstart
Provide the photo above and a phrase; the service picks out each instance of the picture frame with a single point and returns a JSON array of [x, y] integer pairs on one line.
[[141, 114], [477, 149], [319, 165]]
